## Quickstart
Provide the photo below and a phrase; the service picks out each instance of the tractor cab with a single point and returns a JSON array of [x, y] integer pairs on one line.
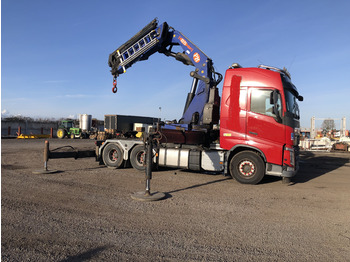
[[67, 129]]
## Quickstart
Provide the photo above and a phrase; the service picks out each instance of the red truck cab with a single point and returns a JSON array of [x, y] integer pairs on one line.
[[259, 123]]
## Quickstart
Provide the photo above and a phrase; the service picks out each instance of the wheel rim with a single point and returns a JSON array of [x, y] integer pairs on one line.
[[246, 168], [140, 158], [113, 155], [59, 133]]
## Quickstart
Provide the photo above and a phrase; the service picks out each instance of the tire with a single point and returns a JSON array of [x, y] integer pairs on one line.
[[72, 136], [137, 157], [61, 133], [112, 156], [247, 167]]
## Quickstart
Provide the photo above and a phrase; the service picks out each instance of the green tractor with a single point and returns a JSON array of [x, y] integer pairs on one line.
[[68, 129]]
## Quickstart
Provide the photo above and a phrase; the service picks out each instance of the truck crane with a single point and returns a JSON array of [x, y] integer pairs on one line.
[[253, 131]]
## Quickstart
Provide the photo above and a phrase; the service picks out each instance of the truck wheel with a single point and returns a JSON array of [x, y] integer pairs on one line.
[[61, 133], [137, 157], [247, 167], [112, 156]]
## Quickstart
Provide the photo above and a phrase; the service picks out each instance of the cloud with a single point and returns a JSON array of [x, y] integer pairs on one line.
[[5, 113], [14, 99], [74, 96]]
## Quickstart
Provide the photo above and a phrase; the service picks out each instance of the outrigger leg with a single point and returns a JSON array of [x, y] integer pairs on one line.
[[147, 195]]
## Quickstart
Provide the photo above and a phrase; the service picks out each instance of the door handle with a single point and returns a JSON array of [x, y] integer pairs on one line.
[[253, 133]]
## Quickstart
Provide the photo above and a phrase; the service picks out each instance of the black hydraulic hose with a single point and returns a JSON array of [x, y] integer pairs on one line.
[[58, 148]]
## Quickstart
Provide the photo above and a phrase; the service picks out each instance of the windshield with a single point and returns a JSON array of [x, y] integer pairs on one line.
[[68, 124], [291, 104], [291, 95]]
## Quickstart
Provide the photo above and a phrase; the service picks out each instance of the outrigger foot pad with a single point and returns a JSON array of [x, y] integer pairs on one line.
[[43, 171], [147, 197]]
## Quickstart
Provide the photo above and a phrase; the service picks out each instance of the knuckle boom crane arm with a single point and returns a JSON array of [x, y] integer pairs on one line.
[[203, 101]]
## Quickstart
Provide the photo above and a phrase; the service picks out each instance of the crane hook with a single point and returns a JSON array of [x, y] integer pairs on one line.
[[114, 89]]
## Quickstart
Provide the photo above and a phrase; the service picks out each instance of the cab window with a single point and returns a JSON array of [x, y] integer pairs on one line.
[[260, 102]]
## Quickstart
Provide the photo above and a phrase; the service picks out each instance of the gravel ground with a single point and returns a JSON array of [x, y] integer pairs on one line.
[[85, 211]]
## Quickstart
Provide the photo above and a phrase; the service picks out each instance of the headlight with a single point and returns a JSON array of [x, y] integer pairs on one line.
[[289, 156]]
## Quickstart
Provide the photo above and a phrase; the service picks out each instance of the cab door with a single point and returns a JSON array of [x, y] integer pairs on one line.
[[263, 128]]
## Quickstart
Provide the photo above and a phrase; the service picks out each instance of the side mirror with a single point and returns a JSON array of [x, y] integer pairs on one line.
[[300, 98], [272, 101], [274, 97]]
